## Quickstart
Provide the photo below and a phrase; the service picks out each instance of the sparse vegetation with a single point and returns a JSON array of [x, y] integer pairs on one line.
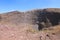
[[55, 29], [23, 25]]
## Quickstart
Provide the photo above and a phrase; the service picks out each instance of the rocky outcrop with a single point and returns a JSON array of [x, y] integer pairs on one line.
[[44, 18], [25, 25], [41, 18]]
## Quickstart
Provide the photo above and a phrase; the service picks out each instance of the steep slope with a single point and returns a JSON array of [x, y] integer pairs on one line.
[[13, 17], [25, 25], [44, 18], [40, 18]]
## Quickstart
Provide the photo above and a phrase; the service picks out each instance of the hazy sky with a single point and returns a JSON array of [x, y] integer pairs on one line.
[[24, 5]]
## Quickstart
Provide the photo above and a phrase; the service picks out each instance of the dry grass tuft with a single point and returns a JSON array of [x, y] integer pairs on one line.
[[54, 29]]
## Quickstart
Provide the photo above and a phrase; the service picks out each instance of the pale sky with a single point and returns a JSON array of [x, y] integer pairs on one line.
[[24, 5]]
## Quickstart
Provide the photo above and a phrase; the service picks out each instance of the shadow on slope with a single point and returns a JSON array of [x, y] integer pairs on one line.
[[48, 19]]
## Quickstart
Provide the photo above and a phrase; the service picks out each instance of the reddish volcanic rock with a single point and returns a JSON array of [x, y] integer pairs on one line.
[[41, 24]]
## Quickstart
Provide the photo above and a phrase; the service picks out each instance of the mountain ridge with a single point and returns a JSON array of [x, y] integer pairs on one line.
[[39, 24], [39, 17]]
